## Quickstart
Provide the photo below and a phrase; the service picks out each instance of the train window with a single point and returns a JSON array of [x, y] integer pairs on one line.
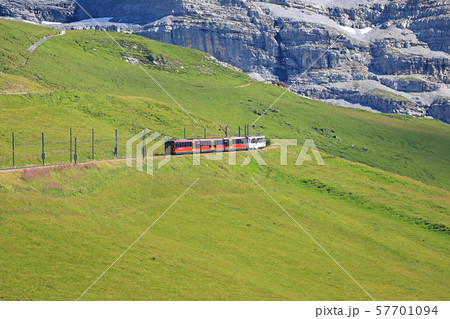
[[218, 142], [184, 144], [257, 140], [205, 143], [237, 141]]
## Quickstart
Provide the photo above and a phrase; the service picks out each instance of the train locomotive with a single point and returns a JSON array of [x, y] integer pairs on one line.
[[210, 145]]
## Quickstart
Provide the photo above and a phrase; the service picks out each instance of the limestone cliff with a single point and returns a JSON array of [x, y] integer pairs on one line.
[[392, 56]]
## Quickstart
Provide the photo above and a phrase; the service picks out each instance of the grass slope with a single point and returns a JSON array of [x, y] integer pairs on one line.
[[92, 81], [61, 228], [12, 84], [16, 39]]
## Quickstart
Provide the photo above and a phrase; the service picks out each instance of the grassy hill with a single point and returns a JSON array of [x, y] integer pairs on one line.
[[62, 227], [90, 80], [380, 205]]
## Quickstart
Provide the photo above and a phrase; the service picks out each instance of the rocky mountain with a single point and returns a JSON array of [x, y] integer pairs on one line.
[[389, 55]]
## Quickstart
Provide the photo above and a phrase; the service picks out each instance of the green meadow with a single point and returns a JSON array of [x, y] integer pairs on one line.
[[380, 205]]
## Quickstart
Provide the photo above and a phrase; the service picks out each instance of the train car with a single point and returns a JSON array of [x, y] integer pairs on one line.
[[178, 147], [256, 142], [237, 144], [206, 146], [218, 145], [209, 145]]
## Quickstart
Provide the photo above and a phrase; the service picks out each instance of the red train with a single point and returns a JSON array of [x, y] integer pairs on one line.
[[209, 145]]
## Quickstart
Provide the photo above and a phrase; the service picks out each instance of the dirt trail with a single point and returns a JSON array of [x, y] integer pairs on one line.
[[37, 44], [62, 164], [41, 41], [243, 86], [21, 93], [24, 63], [104, 161]]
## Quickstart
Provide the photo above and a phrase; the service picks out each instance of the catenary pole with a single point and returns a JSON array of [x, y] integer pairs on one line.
[[13, 150], [116, 148], [43, 150], [75, 157], [71, 146], [93, 144]]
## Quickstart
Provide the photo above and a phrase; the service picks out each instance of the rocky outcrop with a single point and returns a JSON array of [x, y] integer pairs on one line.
[[38, 10], [440, 109], [409, 84], [66, 11], [392, 56]]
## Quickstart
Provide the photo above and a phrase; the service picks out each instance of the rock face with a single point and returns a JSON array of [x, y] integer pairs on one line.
[[66, 11], [392, 56], [38, 10]]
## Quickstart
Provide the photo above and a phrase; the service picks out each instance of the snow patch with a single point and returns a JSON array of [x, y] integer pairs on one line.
[[355, 31], [96, 20], [346, 4], [256, 76], [365, 30], [163, 21], [28, 21], [305, 15], [50, 22], [344, 103]]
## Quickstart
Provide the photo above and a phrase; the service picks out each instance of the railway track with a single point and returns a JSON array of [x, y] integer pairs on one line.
[[73, 164], [4, 170]]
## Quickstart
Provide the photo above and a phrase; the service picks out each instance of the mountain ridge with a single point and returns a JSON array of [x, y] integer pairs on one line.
[[391, 56]]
